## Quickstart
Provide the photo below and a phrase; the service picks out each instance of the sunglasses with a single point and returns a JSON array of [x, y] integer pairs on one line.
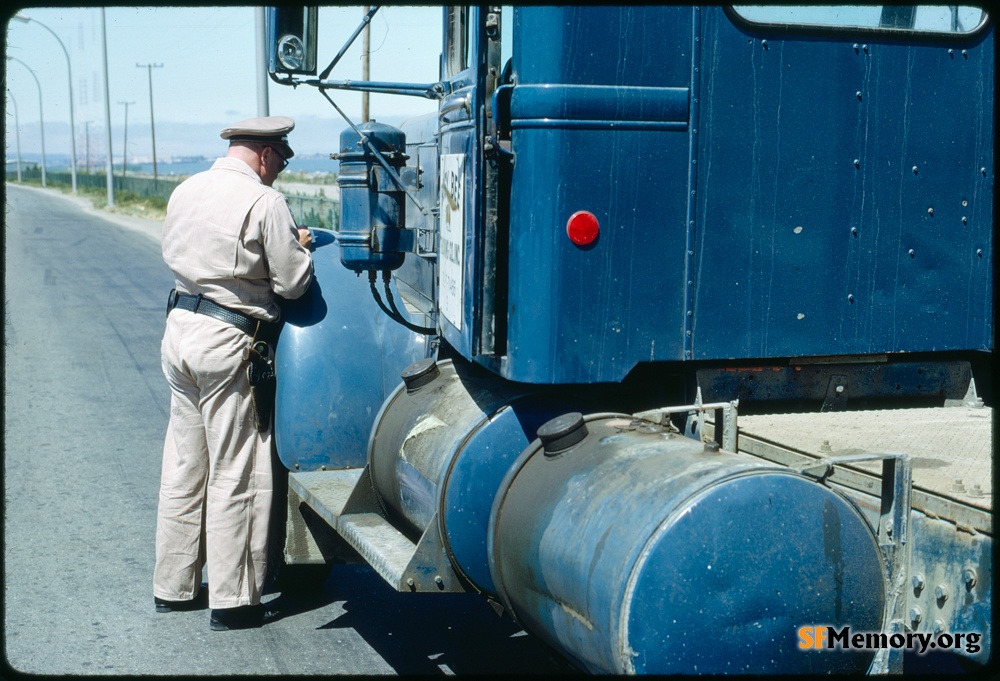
[[284, 161]]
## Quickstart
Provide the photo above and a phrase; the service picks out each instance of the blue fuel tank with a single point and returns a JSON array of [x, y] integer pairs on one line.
[[634, 549], [335, 332]]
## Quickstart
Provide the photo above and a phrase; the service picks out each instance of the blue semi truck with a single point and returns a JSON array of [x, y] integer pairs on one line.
[[521, 369]]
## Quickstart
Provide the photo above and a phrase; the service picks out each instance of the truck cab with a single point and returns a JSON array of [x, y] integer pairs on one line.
[[619, 223]]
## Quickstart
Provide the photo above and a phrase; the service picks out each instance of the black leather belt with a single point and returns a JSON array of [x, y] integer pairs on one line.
[[258, 328]]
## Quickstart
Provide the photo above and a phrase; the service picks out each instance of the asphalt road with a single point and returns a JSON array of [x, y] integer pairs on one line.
[[85, 409]]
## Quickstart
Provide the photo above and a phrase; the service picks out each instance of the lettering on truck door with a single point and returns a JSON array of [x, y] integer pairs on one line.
[[452, 237]]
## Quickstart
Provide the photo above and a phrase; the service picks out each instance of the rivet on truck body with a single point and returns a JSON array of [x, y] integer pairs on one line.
[[918, 581], [941, 592], [915, 615], [969, 577]]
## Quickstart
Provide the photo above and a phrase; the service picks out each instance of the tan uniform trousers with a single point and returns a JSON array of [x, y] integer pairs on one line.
[[216, 482]]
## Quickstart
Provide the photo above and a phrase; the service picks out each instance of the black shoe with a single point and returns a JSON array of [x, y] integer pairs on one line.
[[199, 602], [242, 617]]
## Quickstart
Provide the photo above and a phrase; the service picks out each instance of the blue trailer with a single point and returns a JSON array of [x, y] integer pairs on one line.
[[520, 368]]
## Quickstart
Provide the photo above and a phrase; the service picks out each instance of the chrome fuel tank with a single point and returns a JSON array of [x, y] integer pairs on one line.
[[440, 447], [637, 550]]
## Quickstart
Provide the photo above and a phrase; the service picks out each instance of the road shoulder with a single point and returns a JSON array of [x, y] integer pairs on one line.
[[148, 227]]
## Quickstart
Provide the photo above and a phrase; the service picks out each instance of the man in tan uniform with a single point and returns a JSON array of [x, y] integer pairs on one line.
[[234, 247]]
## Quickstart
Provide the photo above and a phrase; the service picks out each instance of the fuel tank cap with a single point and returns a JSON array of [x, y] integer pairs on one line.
[[419, 374], [562, 432]]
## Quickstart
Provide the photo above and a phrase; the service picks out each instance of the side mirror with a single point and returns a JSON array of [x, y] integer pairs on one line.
[[291, 39]]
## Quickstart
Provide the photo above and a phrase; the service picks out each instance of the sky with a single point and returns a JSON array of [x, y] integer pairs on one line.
[[207, 81], [206, 75]]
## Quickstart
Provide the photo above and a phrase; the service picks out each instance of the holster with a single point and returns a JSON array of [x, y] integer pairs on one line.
[[260, 372]]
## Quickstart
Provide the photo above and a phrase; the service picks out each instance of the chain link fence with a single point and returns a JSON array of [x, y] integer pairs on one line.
[[315, 211]]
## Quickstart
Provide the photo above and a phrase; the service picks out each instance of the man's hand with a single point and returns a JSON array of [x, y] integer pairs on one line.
[[305, 236]]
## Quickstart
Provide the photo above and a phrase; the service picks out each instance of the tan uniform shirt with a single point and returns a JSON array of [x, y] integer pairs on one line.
[[247, 242], [232, 239]]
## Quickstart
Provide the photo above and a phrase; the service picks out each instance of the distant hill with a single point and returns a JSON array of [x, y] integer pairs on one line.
[[313, 135]]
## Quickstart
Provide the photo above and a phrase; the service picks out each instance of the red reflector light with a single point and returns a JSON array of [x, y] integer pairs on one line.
[[582, 228]]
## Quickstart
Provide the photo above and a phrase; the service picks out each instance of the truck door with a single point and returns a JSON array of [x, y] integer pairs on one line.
[[460, 163]]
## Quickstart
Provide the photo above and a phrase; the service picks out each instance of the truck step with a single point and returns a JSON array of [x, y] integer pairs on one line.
[[326, 492], [379, 543], [346, 501], [382, 545]]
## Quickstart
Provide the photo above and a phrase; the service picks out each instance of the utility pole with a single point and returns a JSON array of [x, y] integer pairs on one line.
[[263, 106], [17, 131], [125, 143], [86, 128], [152, 126], [365, 59], [107, 111]]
